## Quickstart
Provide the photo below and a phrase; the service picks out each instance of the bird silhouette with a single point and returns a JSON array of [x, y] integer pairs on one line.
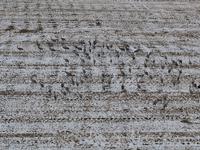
[[66, 60], [94, 42], [50, 44], [67, 89], [84, 71], [156, 101], [190, 63], [76, 53], [154, 61], [117, 53], [65, 47], [103, 75], [122, 86], [169, 70], [145, 64], [19, 48], [138, 50], [77, 84], [68, 73], [174, 82], [162, 66], [180, 61], [73, 81], [79, 48], [84, 50], [82, 60], [190, 90], [165, 97], [52, 49], [80, 96], [148, 55], [42, 85], [138, 86], [62, 85], [109, 82], [81, 42], [146, 73], [107, 46], [90, 43], [39, 46], [32, 79], [87, 56], [103, 87], [122, 48], [102, 80], [64, 93], [165, 105], [161, 79], [55, 96], [63, 39], [180, 72], [122, 73], [174, 63], [54, 40], [133, 57]]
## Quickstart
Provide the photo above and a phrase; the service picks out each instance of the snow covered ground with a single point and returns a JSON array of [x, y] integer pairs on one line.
[[95, 74]]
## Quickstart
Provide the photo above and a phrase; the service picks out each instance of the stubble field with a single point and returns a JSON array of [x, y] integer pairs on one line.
[[99, 74]]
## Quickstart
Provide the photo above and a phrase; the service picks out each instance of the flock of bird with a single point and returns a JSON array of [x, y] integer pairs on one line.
[[86, 48]]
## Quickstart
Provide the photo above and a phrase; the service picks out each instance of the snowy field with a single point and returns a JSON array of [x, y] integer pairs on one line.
[[97, 74]]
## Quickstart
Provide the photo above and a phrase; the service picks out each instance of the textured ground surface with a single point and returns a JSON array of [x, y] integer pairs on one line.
[[99, 74]]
